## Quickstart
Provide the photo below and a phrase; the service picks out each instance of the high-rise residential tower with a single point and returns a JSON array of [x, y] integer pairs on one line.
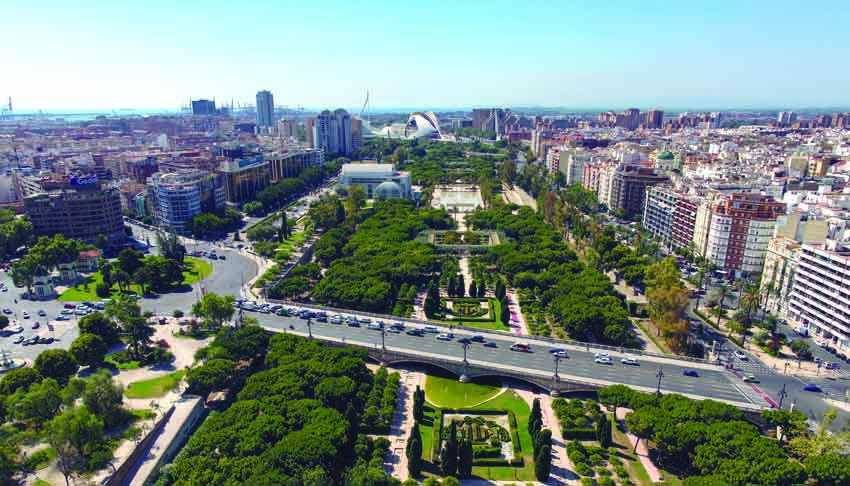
[[265, 109]]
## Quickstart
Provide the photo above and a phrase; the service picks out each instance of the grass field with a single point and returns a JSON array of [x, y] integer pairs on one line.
[[494, 325], [444, 390], [197, 270], [155, 387]]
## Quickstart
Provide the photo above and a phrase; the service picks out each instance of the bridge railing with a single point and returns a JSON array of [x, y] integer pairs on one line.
[[503, 334]]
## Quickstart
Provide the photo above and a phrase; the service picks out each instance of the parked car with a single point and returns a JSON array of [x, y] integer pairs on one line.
[[41, 313], [691, 373], [36, 325], [7, 310], [25, 314]]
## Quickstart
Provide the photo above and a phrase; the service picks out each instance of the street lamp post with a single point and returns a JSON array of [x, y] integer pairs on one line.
[[383, 343], [782, 395], [309, 329], [555, 378], [660, 376], [463, 377]]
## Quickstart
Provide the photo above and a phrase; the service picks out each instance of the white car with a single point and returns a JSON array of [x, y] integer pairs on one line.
[[606, 360], [601, 355], [41, 313], [443, 337], [740, 355], [561, 354], [629, 361], [375, 326], [25, 314]]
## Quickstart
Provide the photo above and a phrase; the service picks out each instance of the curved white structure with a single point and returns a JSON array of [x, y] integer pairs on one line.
[[423, 125]]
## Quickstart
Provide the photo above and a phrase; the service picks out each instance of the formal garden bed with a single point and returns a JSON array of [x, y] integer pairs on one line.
[[497, 420], [479, 312]]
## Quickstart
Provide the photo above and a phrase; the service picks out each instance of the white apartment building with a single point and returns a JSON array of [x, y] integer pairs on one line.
[[573, 169], [658, 212], [820, 299]]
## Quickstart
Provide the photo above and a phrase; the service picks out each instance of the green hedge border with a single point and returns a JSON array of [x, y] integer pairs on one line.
[[491, 309], [516, 461]]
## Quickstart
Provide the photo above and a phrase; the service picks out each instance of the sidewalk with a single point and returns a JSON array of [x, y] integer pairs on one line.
[[403, 422], [642, 451]]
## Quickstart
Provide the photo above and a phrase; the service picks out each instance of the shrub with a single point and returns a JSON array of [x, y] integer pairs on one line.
[[584, 470], [602, 471], [605, 481], [621, 471], [102, 290], [596, 459], [586, 482]]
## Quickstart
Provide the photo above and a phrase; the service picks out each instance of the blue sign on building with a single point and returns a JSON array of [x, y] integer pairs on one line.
[[83, 181]]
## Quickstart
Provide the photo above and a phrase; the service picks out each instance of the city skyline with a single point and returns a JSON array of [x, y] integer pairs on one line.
[[764, 56]]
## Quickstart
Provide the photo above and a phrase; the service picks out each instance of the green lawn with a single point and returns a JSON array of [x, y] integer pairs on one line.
[[155, 387], [444, 390], [494, 325], [130, 365], [196, 270], [509, 400]]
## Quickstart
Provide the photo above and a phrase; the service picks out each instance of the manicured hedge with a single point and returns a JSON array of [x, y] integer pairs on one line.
[[436, 434], [579, 434], [482, 452]]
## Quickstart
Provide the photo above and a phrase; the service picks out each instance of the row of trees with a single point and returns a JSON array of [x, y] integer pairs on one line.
[[208, 224], [541, 441], [47, 253], [379, 258], [14, 233], [580, 299], [711, 443]]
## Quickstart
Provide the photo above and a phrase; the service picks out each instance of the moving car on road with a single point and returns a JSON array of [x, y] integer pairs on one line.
[[811, 387], [750, 379], [606, 360], [521, 347], [18, 339], [490, 344], [691, 373], [740, 355], [630, 362], [415, 332], [443, 337]]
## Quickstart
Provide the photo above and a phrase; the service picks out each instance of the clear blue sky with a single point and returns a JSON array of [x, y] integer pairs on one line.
[[315, 53]]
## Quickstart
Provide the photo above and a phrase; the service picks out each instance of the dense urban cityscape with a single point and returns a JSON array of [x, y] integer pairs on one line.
[[388, 244]]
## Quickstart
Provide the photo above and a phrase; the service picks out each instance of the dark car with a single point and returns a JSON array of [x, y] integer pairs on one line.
[[353, 323], [415, 332], [811, 387], [477, 338], [490, 344], [464, 340], [691, 373], [556, 350]]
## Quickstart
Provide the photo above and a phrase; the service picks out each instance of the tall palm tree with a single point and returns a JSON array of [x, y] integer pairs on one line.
[[750, 300], [722, 293]]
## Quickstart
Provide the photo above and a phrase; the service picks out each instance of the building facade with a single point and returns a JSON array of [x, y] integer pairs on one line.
[[628, 188], [332, 133], [370, 176], [739, 230], [81, 215], [244, 178], [659, 208], [820, 299], [265, 109], [290, 164], [177, 197]]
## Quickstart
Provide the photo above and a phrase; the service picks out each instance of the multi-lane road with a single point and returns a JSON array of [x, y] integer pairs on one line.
[[713, 382]]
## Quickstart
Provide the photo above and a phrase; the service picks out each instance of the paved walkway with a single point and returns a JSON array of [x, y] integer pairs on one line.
[[642, 451], [166, 436], [563, 471], [518, 195], [403, 422], [519, 326]]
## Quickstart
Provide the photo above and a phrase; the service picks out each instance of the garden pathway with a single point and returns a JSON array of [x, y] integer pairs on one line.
[[562, 469], [396, 464], [519, 326], [642, 451]]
